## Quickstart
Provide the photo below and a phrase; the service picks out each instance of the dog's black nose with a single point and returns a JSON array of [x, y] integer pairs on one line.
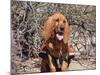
[[62, 29]]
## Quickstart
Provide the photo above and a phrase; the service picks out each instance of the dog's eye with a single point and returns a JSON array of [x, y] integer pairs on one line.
[[57, 20], [64, 21]]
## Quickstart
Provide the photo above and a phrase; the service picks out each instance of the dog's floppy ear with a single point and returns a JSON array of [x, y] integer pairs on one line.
[[48, 28], [43, 55], [66, 32]]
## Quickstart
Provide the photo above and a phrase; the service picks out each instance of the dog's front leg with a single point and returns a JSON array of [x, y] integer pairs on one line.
[[52, 67], [64, 66]]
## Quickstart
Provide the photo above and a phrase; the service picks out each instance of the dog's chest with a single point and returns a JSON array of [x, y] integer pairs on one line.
[[57, 45], [56, 48]]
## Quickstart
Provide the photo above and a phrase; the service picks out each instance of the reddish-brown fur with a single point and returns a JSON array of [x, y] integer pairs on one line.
[[54, 47]]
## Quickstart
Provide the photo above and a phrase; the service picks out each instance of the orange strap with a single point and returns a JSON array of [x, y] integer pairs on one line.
[[70, 50]]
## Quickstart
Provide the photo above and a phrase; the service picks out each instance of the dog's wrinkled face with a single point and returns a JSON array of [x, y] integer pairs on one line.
[[56, 25], [60, 23]]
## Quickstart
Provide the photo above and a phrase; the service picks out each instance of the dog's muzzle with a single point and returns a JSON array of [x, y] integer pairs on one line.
[[60, 35]]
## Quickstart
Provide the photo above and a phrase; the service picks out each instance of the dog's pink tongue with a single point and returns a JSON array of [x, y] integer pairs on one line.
[[60, 37]]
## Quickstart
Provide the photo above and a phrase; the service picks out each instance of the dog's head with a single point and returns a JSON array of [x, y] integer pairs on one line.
[[56, 25]]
